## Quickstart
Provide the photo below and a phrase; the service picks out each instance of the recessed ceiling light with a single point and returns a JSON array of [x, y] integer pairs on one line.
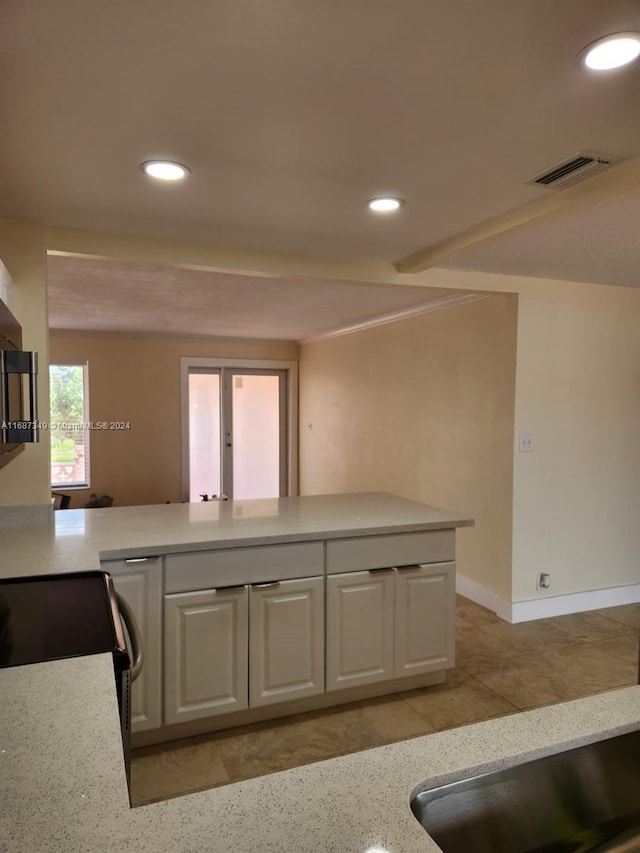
[[164, 170], [612, 51], [385, 204]]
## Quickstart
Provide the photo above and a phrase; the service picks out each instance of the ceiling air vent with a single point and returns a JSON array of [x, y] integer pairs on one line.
[[570, 171]]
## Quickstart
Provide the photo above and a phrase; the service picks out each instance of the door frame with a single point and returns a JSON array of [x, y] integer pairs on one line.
[[291, 368]]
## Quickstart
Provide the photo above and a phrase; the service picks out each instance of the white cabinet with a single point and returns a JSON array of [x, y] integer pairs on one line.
[[206, 653], [286, 640], [232, 648], [275, 637], [140, 583], [388, 624], [424, 624], [359, 628]]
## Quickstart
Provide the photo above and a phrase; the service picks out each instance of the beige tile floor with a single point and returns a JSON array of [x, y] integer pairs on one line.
[[501, 669]]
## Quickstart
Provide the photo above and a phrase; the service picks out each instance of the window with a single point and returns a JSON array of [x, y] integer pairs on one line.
[[68, 425]]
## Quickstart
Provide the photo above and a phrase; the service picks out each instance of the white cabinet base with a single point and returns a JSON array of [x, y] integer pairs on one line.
[[140, 582], [359, 628], [264, 649], [205, 654], [391, 623], [286, 641], [425, 619], [219, 722]]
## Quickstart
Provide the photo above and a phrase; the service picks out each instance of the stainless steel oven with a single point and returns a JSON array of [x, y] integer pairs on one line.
[[17, 427], [49, 617]]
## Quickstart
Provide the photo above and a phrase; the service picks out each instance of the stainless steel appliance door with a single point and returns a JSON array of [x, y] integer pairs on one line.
[[135, 636]]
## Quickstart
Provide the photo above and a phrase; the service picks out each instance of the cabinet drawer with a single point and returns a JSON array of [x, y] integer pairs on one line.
[[231, 566], [394, 549]]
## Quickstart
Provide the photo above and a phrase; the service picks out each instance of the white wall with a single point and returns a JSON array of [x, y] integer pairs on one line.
[[577, 497]]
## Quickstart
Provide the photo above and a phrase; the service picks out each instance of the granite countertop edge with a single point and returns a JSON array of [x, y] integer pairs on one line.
[[275, 539]]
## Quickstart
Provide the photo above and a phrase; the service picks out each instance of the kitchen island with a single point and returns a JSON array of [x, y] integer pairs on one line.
[[62, 776], [307, 602]]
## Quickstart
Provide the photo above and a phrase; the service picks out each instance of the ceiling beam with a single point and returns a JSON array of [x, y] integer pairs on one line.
[[616, 180], [193, 255]]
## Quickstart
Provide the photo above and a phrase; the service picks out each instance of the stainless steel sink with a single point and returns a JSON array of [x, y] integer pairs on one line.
[[585, 799]]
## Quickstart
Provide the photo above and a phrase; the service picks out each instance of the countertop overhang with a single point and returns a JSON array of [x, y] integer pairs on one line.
[[79, 538]]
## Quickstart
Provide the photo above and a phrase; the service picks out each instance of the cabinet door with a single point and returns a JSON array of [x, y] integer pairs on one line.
[[140, 583], [424, 619], [206, 648], [286, 640], [359, 628]]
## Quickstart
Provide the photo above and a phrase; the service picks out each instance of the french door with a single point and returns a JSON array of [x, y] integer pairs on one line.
[[237, 429]]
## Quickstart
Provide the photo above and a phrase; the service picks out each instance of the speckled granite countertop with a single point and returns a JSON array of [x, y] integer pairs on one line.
[[81, 537], [63, 788]]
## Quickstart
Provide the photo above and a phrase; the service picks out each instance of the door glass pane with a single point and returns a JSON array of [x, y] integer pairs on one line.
[[204, 435], [256, 436]]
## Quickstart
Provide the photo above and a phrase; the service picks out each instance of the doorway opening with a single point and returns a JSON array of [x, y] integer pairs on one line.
[[239, 428]]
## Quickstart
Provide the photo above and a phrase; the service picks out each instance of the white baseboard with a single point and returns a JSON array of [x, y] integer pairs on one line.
[[577, 602], [481, 595], [552, 605]]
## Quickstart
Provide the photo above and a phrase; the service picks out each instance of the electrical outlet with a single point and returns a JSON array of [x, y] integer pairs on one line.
[[543, 581], [526, 443]]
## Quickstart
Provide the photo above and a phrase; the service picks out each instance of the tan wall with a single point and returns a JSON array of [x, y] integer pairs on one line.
[[25, 480], [423, 408], [137, 379]]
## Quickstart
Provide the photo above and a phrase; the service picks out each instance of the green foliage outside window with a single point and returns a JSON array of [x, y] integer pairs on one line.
[[63, 450], [67, 393], [67, 396]]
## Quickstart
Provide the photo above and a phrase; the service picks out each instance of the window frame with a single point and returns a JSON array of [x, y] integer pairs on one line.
[[86, 484]]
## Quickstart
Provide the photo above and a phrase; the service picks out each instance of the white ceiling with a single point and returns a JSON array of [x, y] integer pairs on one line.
[[291, 114], [102, 295]]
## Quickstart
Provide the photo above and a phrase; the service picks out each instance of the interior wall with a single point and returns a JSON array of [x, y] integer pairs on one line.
[[137, 379], [593, 448], [577, 496], [423, 408], [25, 480]]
